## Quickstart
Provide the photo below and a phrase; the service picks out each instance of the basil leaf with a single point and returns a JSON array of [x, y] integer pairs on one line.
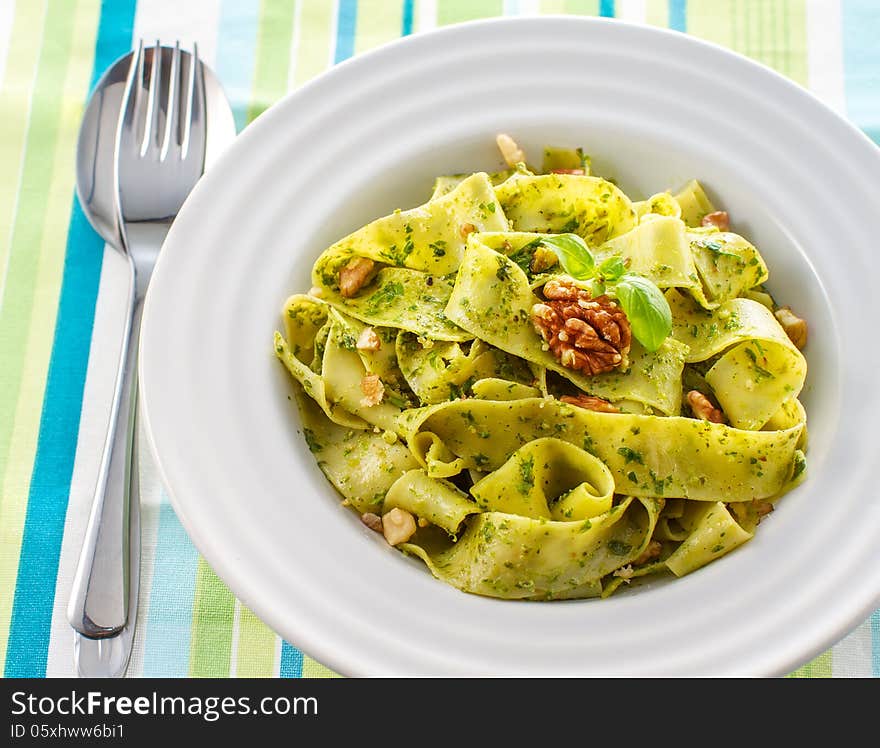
[[716, 247], [574, 256], [612, 268], [646, 308]]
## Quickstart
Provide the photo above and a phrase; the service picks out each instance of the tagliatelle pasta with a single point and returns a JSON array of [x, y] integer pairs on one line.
[[545, 390]]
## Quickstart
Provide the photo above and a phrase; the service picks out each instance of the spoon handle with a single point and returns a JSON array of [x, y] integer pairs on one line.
[[99, 601]]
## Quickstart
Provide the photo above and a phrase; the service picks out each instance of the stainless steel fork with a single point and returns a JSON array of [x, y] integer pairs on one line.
[[160, 155]]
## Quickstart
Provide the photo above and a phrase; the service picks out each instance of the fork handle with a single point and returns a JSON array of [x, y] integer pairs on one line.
[[99, 601]]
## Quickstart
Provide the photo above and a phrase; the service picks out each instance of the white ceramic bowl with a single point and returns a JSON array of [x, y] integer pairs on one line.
[[654, 108]]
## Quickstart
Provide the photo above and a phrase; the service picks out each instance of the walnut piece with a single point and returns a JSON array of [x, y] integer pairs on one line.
[[355, 275], [702, 407], [794, 326], [373, 390], [466, 229], [543, 259], [511, 152], [368, 340], [590, 403], [719, 219], [649, 554], [373, 521], [578, 172], [398, 526], [762, 508], [586, 334]]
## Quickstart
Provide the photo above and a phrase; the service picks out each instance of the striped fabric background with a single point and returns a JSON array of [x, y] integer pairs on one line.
[[55, 276]]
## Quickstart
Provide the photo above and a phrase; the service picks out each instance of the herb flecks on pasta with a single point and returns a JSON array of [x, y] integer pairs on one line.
[[546, 390]]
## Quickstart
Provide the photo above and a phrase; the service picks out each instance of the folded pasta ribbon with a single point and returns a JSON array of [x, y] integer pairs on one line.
[[648, 456]]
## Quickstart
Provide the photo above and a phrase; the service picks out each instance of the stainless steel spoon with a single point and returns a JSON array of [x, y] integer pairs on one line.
[[107, 577]]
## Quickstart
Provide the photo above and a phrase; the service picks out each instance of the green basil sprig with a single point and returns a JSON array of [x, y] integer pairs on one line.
[[643, 303], [646, 309], [573, 254]]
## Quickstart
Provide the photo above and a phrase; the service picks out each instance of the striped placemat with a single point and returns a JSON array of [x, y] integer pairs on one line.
[[60, 287]]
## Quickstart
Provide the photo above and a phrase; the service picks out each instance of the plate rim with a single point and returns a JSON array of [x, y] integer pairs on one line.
[[315, 646]]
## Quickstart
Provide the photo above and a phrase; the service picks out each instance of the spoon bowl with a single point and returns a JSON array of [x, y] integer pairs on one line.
[[95, 181]]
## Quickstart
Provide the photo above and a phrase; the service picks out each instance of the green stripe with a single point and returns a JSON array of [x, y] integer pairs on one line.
[[36, 259], [314, 669], [818, 668], [314, 40], [213, 611], [572, 7], [772, 33], [271, 60], [657, 13], [378, 22], [455, 11], [25, 41], [256, 647]]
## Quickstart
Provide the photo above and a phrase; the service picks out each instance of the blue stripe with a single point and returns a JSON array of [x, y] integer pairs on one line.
[[406, 27], [861, 64], [291, 661], [346, 23], [678, 15], [169, 622], [875, 643], [236, 45], [606, 8], [28, 644]]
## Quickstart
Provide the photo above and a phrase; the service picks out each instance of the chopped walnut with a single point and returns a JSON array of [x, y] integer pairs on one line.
[[649, 554], [794, 326], [579, 172], [368, 340], [511, 152], [398, 526], [762, 508], [590, 403], [543, 259], [702, 407], [466, 229], [719, 219], [355, 275], [583, 333], [373, 390], [373, 521]]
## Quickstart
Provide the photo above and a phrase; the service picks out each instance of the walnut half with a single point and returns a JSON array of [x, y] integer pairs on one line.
[[357, 272], [590, 403], [719, 219], [586, 334], [702, 407], [794, 326]]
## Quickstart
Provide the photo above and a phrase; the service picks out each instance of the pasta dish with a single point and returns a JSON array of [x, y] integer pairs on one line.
[[545, 389]]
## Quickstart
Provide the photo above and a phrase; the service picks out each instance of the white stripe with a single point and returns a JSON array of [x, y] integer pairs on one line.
[[151, 501], [233, 653], [7, 14], [825, 52], [294, 45], [167, 20], [426, 15], [334, 33], [851, 657], [4, 273], [97, 395], [276, 667], [522, 7], [634, 11], [174, 20]]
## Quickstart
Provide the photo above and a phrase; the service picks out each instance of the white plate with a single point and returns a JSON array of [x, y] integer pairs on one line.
[[654, 108]]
